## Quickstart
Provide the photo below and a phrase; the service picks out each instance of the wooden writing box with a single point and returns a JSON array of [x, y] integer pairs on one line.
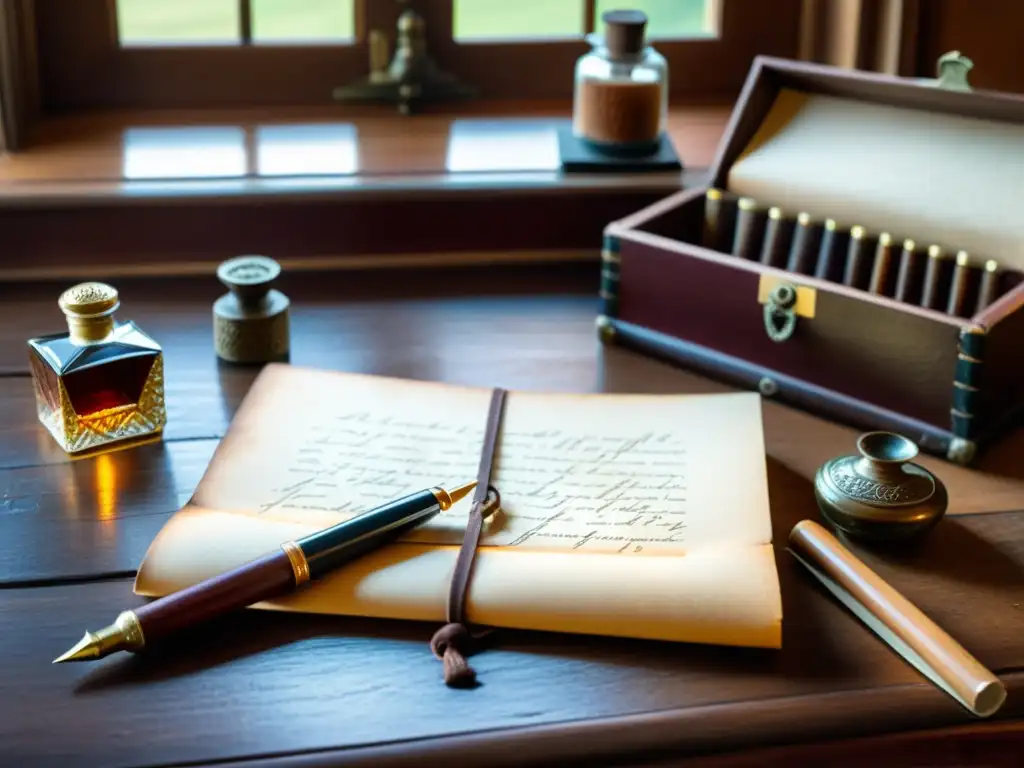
[[941, 167]]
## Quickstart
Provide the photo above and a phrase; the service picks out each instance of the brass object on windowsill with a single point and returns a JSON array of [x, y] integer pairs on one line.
[[411, 79], [880, 496], [952, 70]]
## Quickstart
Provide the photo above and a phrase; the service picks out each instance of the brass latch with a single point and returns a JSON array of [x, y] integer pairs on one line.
[[783, 304]]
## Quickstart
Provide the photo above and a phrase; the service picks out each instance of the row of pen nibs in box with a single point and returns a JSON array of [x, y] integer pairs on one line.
[[928, 277]]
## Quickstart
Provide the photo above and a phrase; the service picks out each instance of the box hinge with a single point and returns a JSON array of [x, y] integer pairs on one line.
[[610, 276], [966, 398]]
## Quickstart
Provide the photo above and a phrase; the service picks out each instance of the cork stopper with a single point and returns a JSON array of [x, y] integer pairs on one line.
[[89, 309], [624, 32]]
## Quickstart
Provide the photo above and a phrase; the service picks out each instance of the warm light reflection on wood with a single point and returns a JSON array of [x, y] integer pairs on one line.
[[337, 141], [106, 487], [196, 152], [502, 145], [185, 152], [306, 150]]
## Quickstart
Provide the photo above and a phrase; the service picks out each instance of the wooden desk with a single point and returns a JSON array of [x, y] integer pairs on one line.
[[259, 689]]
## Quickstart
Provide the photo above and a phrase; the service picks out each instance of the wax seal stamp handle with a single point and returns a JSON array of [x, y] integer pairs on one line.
[[250, 323], [250, 278]]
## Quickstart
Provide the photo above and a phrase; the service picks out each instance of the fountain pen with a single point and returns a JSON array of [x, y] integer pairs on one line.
[[273, 575]]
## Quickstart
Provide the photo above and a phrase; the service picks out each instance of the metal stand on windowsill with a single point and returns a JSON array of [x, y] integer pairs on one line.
[[411, 79]]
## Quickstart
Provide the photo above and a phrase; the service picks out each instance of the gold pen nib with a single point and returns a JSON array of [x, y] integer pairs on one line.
[[86, 648], [445, 499], [455, 494], [125, 634]]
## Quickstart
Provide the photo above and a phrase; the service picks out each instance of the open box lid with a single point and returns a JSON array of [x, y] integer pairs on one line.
[[891, 154]]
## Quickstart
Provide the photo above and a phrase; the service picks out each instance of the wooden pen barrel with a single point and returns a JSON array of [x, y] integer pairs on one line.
[[269, 576], [961, 674]]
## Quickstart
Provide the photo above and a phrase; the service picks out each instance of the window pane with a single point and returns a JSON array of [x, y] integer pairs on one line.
[[302, 20], [164, 22], [518, 19], [665, 18]]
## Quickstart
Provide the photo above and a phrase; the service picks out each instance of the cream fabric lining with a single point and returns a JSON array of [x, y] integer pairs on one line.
[[954, 181]]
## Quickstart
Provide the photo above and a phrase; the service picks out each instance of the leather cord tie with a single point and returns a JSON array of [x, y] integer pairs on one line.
[[452, 642]]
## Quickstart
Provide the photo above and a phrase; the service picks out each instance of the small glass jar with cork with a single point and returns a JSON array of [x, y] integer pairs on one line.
[[620, 99]]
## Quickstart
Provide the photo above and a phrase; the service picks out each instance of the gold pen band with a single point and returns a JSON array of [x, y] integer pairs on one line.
[[131, 630], [300, 565]]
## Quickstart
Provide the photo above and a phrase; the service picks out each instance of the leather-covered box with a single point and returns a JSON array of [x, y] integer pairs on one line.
[[878, 165]]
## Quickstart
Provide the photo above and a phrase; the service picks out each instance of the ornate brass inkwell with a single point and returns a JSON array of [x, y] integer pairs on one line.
[[412, 78], [880, 495]]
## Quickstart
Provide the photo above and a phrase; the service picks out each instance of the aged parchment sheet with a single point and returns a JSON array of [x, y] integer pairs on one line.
[[641, 516]]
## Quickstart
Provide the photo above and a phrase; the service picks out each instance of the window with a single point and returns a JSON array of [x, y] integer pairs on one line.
[[203, 53], [151, 22], [199, 53], [479, 20], [230, 22], [527, 48]]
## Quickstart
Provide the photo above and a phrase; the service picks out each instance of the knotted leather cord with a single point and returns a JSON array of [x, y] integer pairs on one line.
[[451, 643]]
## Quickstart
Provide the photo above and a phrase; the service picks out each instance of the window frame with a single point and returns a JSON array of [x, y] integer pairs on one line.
[[704, 66], [19, 91], [83, 67]]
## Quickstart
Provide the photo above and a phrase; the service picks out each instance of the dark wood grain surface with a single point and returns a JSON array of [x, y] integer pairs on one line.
[[299, 690], [315, 185], [92, 147]]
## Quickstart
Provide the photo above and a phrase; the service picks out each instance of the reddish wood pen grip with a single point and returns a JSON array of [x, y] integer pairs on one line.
[[269, 576]]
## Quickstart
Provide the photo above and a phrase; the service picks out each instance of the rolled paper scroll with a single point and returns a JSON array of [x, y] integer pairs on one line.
[[908, 279], [857, 264], [962, 280], [896, 620], [777, 238], [719, 220], [936, 274], [881, 271], [804, 251], [750, 226], [829, 265], [989, 289]]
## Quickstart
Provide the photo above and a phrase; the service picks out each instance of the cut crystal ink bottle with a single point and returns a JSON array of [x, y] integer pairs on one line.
[[101, 382]]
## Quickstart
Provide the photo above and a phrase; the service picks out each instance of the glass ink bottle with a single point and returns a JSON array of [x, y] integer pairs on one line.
[[620, 94], [102, 381]]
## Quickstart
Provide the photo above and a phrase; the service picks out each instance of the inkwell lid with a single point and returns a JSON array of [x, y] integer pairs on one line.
[[880, 495], [249, 277], [624, 33]]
